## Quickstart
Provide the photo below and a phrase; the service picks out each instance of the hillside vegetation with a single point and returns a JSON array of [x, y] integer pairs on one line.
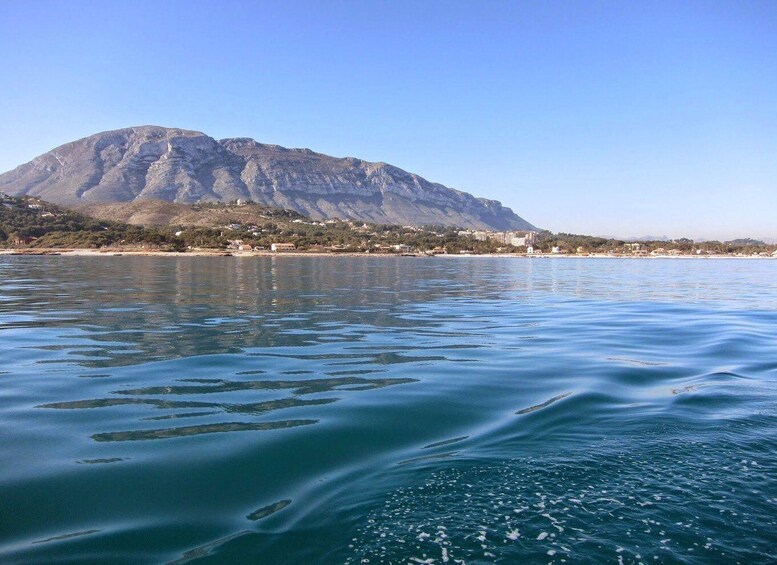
[[157, 213], [31, 223]]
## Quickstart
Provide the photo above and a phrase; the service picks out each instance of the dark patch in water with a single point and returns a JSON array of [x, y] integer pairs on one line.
[[100, 461], [394, 358], [269, 509], [298, 387], [107, 402], [68, 536], [543, 404], [207, 549], [270, 405], [180, 415], [689, 388], [353, 372], [205, 381], [167, 433]]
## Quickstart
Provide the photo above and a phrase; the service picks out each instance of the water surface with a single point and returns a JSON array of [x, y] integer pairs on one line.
[[387, 410]]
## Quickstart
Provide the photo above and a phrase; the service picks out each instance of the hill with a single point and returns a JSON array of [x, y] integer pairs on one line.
[[175, 165], [161, 213], [30, 221]]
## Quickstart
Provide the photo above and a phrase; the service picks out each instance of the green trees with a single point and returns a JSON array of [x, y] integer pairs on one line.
[[57, 227]]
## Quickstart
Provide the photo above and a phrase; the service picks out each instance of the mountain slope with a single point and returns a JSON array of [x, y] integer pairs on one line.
[[161, 213], [176, 165]]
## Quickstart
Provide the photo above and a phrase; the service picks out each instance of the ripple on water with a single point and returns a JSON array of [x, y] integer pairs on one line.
[[608, 411], [669, 501]]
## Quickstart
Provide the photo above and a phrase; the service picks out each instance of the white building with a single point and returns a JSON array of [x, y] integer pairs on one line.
[[283, 247]]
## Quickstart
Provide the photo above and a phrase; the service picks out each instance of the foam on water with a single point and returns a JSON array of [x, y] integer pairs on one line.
[[667, 500]]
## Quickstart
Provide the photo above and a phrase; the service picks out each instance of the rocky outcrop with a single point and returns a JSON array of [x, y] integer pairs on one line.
[[176, 165]]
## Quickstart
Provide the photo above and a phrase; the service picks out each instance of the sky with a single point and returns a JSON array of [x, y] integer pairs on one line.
[[605, 118]]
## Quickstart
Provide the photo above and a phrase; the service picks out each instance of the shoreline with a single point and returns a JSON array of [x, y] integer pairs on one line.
[[249, 254]]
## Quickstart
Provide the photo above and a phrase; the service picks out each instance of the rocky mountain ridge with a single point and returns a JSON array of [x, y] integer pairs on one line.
[[176, 165]]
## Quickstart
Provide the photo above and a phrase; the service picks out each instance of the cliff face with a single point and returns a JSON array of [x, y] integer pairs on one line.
[[183, 166]]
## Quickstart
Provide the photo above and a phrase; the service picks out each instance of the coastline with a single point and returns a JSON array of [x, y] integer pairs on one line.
[[249, 254]]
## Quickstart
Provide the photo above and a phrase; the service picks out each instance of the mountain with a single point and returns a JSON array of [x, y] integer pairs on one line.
[[151, 162], [647, 238]]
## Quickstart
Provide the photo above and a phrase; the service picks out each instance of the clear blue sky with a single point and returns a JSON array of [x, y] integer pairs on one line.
[[625, 118]]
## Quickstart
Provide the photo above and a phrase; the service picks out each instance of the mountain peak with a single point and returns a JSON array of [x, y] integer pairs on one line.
[[178, 165]]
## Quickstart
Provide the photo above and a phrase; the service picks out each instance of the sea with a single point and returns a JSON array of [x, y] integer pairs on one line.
[[353, 410]]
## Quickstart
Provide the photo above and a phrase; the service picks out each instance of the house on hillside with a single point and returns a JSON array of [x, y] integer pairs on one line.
[[283, 247], [23, 240]]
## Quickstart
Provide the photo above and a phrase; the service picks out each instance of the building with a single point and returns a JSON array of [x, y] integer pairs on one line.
[[23, 240], [633, 247], [283, 247]]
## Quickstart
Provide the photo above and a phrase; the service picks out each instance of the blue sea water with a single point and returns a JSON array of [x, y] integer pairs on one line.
[[387, 410]]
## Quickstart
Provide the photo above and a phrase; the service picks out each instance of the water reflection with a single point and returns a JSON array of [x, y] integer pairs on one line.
[[166, 433], [233, 305], [269, 509], [124, 383], [308, 386], [215, 386]]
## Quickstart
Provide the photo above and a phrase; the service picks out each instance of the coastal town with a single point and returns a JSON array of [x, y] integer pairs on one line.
[[31, 225]]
